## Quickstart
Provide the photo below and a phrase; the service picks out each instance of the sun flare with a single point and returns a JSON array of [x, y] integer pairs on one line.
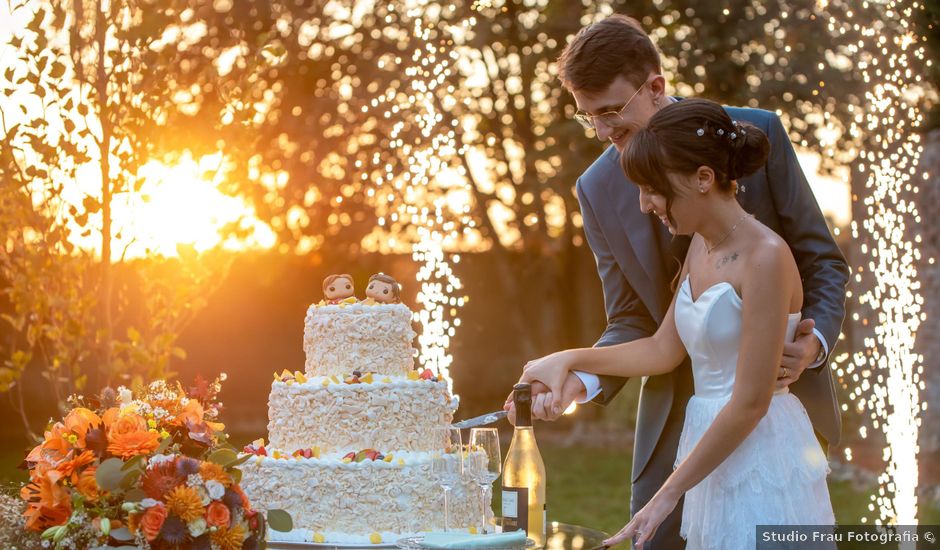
[[180, 205]]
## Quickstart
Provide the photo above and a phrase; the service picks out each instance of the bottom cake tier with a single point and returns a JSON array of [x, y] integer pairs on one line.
[[372, 501]]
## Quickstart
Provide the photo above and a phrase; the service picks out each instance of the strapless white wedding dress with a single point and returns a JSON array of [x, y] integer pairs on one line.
[[777, 476]]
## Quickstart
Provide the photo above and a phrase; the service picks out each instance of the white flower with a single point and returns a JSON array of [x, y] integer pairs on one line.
[[159, 459], [203, 495], [223, 377], [125, 396], [194, 480], [197, 527], [216, 489], [149, 503]]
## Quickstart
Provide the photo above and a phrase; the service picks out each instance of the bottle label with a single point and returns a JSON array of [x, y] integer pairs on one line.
[[515, 509]]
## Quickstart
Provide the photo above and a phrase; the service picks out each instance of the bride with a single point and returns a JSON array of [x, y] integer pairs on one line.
[[747, 454]]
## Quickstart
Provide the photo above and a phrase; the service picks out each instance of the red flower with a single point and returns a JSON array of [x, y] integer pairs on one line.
[[160, 478], [217, 514]]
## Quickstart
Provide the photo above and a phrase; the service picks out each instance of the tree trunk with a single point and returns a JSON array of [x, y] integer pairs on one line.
[[928, 269], [107, 275]]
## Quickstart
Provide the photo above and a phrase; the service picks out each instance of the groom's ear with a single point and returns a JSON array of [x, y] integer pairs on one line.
[[657, 87]]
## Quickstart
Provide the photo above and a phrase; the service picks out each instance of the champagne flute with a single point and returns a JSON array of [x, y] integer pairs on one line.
[[486, 463], [448, 467]]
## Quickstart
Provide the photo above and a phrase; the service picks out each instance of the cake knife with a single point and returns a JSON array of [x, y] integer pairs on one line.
[[481, 420]]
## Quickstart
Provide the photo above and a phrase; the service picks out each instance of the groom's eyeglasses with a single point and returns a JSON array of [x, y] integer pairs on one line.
[[614, 119]]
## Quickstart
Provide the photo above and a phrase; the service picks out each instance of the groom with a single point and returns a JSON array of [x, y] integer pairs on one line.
[[613, 71]]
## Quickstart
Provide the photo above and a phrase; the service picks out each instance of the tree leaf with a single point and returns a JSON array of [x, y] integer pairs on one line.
[[279, 520], [58, 69], [91, 204]]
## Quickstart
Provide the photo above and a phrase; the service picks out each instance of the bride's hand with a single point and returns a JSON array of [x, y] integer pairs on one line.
[[550, 370], [645, 523]]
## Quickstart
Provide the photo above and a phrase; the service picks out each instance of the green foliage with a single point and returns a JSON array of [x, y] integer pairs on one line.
[[279, 520], [95, 89]]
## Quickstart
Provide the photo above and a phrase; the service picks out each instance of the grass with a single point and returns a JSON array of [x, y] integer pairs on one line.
[[591, 488], [588, 487]]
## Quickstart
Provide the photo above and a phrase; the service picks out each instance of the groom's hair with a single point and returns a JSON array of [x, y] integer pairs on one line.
[[599, 53]]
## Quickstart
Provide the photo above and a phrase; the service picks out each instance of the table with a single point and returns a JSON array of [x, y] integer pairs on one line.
[[565, 536], [559, 536]]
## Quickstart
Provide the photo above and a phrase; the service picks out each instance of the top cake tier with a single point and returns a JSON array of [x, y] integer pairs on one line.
[[340, 339]]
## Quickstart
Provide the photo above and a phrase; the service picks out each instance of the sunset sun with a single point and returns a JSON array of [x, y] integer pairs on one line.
[[180, 205]]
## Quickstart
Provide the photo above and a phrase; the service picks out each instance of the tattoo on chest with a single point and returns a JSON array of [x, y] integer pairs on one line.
[[725, 260]]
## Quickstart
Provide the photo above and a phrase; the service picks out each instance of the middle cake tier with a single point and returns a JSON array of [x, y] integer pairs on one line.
[[391, 413]]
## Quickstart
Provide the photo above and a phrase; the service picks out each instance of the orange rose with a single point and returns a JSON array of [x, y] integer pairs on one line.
[[110, 416], [87, 484], [128, 423], [217, 514], [152, 521], [134, 443]]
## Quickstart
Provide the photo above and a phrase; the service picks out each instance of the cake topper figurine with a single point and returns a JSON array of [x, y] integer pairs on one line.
[[383, 289], [339, 289]]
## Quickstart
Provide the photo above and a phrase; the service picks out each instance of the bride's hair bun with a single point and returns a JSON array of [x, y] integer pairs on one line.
[[749, 150]]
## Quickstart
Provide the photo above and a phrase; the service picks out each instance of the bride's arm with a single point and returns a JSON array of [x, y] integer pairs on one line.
[[658, 354], [766, 295]]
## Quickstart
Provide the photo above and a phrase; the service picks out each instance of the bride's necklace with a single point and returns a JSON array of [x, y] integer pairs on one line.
[[728, 234]]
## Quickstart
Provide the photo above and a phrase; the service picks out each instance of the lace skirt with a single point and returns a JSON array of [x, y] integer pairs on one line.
[[777, 476]]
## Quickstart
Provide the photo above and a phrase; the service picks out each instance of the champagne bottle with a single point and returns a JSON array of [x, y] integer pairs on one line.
[[524, 474]]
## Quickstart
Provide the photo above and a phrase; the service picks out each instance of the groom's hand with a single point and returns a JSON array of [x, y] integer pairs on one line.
[[573, 389], [798, 354], [538, 388]]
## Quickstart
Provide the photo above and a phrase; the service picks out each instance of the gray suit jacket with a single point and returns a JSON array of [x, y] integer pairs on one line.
[[637, 260]]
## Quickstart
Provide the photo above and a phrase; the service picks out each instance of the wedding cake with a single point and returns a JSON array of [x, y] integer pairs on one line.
[[351, 439]]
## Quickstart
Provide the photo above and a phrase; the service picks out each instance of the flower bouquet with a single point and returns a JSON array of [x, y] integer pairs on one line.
[[149, 468]]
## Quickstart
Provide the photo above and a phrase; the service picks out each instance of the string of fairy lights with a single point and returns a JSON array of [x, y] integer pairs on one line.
[[885, 375]]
